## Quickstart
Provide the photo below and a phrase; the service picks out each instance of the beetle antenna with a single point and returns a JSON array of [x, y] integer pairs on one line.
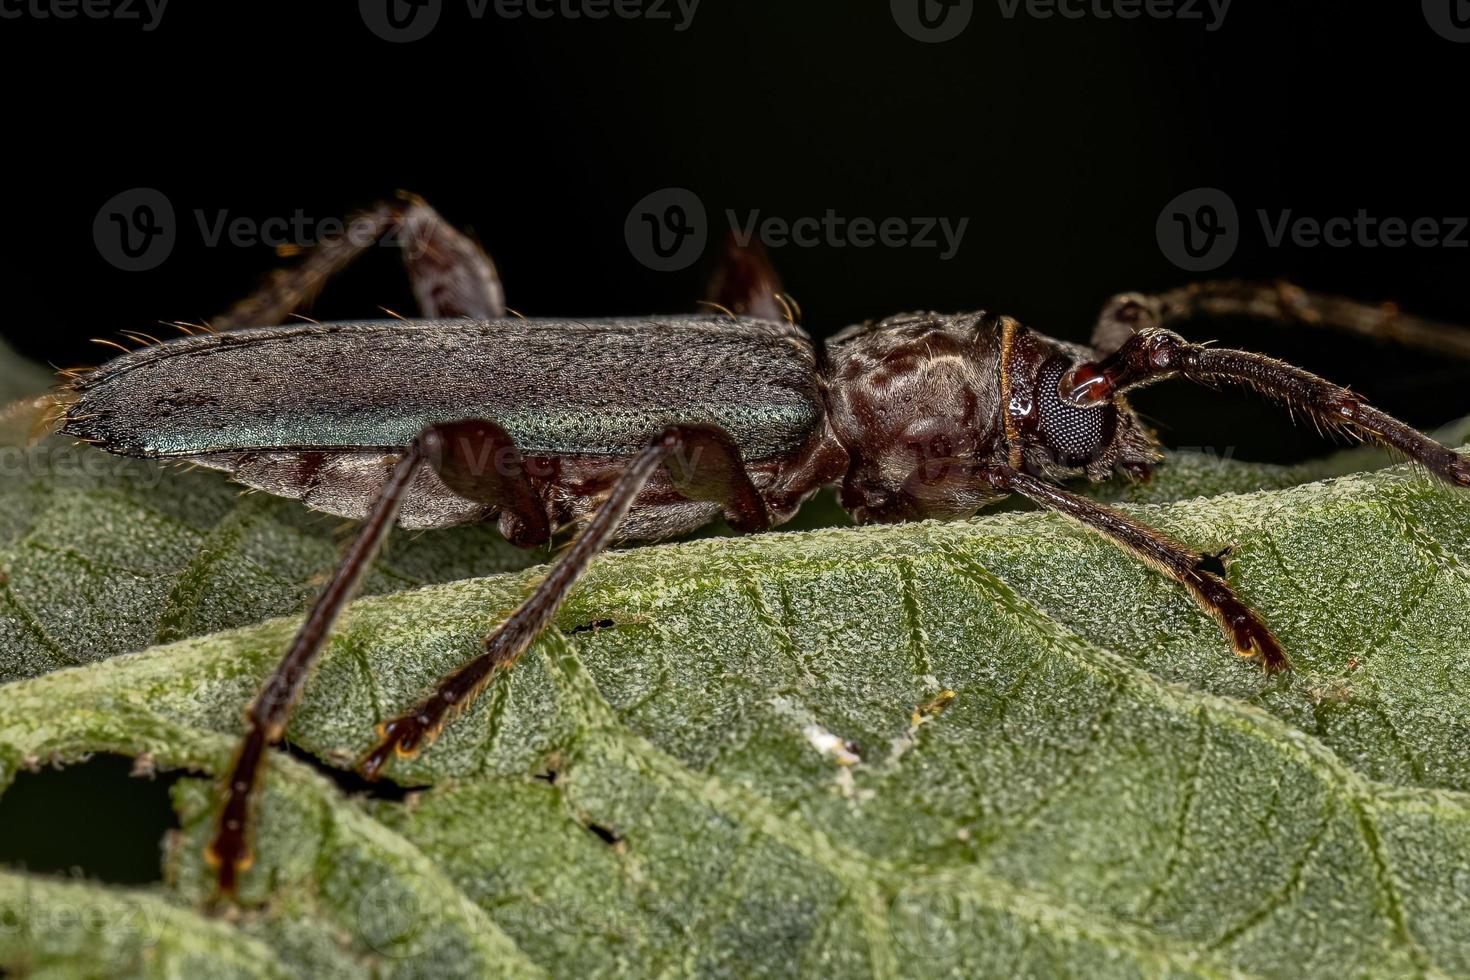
[[1154, 354]]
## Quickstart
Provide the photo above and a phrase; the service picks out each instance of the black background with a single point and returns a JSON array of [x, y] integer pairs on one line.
[[1060, 139]]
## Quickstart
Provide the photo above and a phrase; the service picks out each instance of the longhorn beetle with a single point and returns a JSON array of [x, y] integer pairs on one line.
[[644, 428]]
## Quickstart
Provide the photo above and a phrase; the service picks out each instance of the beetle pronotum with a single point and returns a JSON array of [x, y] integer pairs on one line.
[[644, 428]]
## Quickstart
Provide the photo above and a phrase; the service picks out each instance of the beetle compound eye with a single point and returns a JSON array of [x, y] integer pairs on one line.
[[1075, 436]]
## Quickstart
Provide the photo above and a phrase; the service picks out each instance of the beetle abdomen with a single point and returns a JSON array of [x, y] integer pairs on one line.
[[591, 387]]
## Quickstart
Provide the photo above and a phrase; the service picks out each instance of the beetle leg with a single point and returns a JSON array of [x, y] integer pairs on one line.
[[1273, 302], [476, 459], [1154, 354], [230, 851], [450, 274], [743, 282], [703, 463], [480, 461], [1241, 625]]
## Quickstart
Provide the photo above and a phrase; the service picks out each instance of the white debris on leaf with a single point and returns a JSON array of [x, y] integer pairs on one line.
[[831, 745], [848, 787]]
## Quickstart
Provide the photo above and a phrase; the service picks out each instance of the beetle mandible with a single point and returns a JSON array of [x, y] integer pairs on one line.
[[645, 428]]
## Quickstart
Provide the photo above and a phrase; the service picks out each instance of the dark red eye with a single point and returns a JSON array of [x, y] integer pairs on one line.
[[1075, 436]]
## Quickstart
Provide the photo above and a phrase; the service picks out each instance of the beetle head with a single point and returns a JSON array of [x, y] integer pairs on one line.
[[922, 402], [1057, 436]]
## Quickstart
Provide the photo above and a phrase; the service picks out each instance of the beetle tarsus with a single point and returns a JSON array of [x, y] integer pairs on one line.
[[231, 851], [1247, 633]]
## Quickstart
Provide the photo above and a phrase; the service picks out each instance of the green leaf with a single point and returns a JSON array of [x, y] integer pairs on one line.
[[759, 768]]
